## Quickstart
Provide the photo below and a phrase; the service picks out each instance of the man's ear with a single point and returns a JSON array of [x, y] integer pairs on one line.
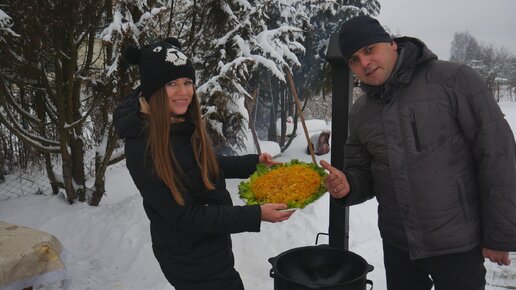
[[394, 45]]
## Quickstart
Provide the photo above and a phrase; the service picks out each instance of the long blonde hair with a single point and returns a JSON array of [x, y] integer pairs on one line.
[[165, 162]]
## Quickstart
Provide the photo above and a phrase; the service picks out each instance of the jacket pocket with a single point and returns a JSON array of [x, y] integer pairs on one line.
[[414, 131], [463, 201]]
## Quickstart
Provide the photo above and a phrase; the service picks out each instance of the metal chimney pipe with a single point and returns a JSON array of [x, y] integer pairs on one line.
[[342, 96]]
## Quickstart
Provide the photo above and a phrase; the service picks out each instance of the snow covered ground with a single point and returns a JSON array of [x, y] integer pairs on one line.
[[108, 247]]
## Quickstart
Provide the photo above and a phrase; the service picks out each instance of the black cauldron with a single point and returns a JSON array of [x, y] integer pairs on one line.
[[319, 267]]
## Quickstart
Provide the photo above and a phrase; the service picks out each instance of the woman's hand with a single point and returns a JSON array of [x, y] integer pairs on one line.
[[271, 212], [266, 159]]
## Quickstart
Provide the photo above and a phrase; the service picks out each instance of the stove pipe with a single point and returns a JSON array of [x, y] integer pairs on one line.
[[342, 92]]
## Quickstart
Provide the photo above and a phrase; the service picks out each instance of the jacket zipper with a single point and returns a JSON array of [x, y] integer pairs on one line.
[[414, 131]]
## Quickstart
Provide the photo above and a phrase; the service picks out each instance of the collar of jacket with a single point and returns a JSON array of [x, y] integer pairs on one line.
[[182, 128], [412, 52]]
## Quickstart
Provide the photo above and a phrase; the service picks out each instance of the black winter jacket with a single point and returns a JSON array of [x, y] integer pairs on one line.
[[192, 242], [434, 148]]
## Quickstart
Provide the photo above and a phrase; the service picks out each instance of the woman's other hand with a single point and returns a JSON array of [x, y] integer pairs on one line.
[[271, 212], [266, 159]]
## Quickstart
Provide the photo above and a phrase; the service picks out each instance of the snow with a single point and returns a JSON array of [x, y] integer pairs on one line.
[[313, 126], [6, 23], [109, 247]]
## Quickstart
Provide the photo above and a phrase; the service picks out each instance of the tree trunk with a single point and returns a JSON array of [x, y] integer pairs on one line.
[[2, 178], [283, 117], [249, 105], [54, 184], [63, 92], [77, 159], [498, 91], [73, 92], [193, 26], [298, 113], [23, 156], [39, 107], [101, 165], [71, 196], [100, 182], [273, 136]]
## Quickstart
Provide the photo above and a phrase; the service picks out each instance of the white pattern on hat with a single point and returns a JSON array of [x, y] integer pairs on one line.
[[175, 56], [157, 49]]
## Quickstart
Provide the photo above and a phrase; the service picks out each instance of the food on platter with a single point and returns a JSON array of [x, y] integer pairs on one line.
[[294, 183]]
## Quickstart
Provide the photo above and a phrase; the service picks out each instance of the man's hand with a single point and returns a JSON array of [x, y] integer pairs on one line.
[[336, 182], [501, 258]]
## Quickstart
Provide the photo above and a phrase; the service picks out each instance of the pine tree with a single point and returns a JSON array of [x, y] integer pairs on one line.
[[248, 41]]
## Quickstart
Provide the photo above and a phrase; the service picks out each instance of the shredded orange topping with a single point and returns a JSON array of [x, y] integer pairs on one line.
[[284, 184]]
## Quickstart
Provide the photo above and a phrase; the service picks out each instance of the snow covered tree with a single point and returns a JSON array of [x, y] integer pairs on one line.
[[236, 42], [323, 18], [125, 22], [313, 76], [326, 18], [49, 86], [62, 75], [492, 65], [252, 44], [5, 29], [5, 26], [40, 83], [464, 47], [490, 61]]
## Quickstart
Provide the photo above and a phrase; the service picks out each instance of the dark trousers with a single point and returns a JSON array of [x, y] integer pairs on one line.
[[226, 284], [231, 283], [462, 271]]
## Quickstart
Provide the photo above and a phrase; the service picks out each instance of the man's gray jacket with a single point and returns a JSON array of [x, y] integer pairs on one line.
[[434, 148]]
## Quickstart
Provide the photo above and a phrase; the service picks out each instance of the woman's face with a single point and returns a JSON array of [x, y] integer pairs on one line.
[[180, 92]]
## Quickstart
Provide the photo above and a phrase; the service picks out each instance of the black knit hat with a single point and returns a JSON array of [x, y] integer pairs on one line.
[[358, 32], [159, 63]]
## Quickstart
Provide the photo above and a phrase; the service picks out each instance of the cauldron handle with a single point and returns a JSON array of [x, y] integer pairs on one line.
[[273, 263], [370, 283], [317, 237], [370, 268]]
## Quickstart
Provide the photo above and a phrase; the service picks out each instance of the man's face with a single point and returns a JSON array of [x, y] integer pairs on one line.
[[373, 64]]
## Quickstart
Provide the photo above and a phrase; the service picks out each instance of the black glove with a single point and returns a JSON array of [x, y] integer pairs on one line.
[[126, 117]]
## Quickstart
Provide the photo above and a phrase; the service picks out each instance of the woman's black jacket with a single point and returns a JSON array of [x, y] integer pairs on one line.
[[191, 242]]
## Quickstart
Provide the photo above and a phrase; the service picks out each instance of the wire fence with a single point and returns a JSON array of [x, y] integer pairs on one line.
[[21, 183], [34, 179]]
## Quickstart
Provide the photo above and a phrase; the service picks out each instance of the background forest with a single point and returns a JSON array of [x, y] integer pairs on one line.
[[61, 75]]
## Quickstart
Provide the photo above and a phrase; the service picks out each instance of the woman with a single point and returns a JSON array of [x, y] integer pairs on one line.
[[180, 179]]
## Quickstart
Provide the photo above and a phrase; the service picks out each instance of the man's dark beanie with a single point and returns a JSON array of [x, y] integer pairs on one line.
[[159, 63], [358, 32]]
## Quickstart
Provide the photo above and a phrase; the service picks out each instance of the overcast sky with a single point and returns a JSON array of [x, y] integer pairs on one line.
[[435, 21]]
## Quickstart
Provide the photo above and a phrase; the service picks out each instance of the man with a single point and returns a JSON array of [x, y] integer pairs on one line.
[[431, 144]]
